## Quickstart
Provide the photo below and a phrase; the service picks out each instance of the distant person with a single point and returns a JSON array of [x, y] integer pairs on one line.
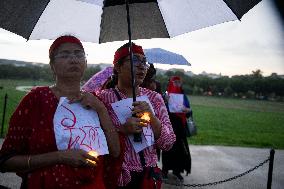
[[136, 164], [30, 148], [150, 82], [178, 157]]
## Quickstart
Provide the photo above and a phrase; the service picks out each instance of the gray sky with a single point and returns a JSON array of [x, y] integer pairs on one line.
[[230, 48]]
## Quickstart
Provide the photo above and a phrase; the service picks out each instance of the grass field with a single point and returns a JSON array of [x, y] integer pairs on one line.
[[238, 122], [14, 96], [220, 121]]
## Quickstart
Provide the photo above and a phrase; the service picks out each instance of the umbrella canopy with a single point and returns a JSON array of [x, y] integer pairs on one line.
[[162, 56], [105, 20], [96, 82]]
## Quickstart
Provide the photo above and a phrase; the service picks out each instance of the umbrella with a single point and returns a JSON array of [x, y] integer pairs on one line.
[[105, 20], [162, 56], [96, 82]]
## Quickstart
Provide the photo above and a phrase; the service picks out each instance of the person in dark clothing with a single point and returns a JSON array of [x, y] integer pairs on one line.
[[151, 83], [178, 158]]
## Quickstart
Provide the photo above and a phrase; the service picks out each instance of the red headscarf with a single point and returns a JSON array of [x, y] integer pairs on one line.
[[63, 39], [171, 87], [123, 52]]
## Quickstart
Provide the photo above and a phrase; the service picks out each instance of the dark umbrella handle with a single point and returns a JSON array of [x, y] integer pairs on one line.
[[137, 136]]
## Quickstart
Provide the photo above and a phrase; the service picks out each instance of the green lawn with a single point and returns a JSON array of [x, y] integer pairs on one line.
[[220, 121], [237, 122], [14, 96]]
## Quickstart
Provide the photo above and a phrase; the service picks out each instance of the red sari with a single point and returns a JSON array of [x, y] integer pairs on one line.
[[31, 132]]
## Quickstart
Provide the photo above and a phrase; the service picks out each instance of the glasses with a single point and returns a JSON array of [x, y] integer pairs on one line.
[[69, 55], [138, 62]]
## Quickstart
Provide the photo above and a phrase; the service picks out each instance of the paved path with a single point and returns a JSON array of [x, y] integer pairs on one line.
[[214, 163], [24, 88]]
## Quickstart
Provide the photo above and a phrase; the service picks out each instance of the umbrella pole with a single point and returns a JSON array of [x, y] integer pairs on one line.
[[137, 136], [130, 52]]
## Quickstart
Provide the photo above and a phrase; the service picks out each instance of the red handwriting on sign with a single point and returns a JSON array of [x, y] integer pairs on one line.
[[86, 136]]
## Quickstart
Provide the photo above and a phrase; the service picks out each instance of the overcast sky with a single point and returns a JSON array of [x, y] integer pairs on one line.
[[231, 48]]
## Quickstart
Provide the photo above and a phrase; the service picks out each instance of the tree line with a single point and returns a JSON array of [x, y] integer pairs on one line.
[[253, 85], [34, 72]]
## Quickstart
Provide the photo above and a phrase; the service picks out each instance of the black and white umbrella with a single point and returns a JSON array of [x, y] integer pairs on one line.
[[162, 56], [105, 20]]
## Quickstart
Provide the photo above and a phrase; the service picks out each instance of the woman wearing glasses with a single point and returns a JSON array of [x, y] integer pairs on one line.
[[136, 163], [31, 147]]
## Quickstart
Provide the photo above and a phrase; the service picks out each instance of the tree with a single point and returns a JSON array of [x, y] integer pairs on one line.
[[257, 73]]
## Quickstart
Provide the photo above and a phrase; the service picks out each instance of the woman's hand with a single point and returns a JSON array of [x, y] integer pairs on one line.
[[77, 158], [133, 125], [140, 107], [88, 100], [186, 110]]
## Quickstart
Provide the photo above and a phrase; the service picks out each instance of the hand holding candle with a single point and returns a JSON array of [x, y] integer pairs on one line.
[[146, 117], [94, 154], [142, 108]]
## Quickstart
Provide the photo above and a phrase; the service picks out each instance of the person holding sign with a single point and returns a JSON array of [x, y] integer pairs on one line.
[[178, 158], [58, 135], [156, 130]]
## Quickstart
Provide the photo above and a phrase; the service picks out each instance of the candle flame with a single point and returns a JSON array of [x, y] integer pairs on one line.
[[93, 153], [146, 116]]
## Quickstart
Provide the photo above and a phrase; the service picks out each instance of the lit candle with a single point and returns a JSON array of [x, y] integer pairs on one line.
[[93, 153], [146, 116]]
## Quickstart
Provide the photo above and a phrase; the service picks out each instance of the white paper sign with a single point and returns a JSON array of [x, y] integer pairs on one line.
[[175, 103], [122, 110], [78, 128]]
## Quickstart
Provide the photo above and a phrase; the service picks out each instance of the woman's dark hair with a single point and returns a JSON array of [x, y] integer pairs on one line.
[[158, 87], [151, 72], [111, 82]]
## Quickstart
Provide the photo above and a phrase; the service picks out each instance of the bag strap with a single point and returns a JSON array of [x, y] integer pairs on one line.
[[117, 94], [141, 154]]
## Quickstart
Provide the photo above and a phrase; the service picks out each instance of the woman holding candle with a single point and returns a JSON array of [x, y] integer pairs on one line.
[[131, 175], [30, 148]]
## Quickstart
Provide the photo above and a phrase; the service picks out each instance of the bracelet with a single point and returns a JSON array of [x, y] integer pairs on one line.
[[29, 161]]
